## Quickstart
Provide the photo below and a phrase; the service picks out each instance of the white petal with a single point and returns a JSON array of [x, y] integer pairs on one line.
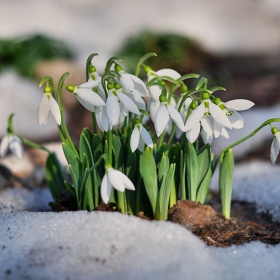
[[87, 105], [139, 86], [207, 126], [141, 145], [195, 116], [169, 72], [90, 84], [134, 139], [4, 146], [126, 82], [205, 137], [193, 133], [119, 181], [155, 92], [15, 146], [89, 97], [106, 189], [219, 115], [277, 137], [44, 110], [239, 104], [161, 119], [128, 103], [153, 106], [178, 133], [217, 129], [55, 110], [236, 120], [224, 133], [101, 118], [137, 99], [274, 151], [146, 137], [176, 117], [113, 109]]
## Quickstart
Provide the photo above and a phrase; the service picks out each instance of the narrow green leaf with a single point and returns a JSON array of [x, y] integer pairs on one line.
[[201, 82], [192, 170], [226, 182], [70, 188], [118, 153], [54, 175], [149, 173], [68, 152], [183, 175], [165, 192], [203, 187], [204, 162]]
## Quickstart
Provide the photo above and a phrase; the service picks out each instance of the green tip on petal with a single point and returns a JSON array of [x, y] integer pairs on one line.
[[193, 105], [118, 68], [70, 88], [47, 89], [184, 88], [162, 98], [92, 69], [205, 95], [117, 86], [217, 100], [274, 130]]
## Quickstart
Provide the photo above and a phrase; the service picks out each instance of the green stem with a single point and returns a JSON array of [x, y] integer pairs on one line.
[[248, 136], [94, 124], [110, 147], [33, 144]]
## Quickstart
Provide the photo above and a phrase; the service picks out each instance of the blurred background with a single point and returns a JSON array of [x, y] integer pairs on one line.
[[234, 44]]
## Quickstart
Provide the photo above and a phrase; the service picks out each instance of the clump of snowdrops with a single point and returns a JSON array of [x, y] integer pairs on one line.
[[141, 156]]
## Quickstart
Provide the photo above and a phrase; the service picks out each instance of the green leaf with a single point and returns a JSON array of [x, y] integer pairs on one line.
[[70, 188], [54, 175], [203, 187], [165, 192], [192, 170], [68, 152], [226, 182], [183, 175], [149, 173], [202, 81], [204, 162], [118, 153]]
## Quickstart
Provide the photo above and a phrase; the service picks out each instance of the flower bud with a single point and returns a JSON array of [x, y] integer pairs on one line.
[[91, 69], [205, 95], [118, 68], [117, 86], [70, 88], [47, 89], [162, 98], [193, 105], [110, 85], [184, 88], [274, 130]]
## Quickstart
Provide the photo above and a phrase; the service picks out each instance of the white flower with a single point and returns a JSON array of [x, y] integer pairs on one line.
[[139, 137], [118, 102], [117, 180], [48, 104], [164, 112], [86, 96], [155, 91], [275, 145], [12, 142]]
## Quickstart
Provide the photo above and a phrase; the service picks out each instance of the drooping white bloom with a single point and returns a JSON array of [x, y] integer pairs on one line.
[[163, 114], [117, 103], [86, 96], [12, 142], [155, 91], [117, 180], [48, 104], [275, 145], [139, 137], [231, 108]]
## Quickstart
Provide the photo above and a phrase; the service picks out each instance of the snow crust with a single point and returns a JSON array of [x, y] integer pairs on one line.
[[98, 245]]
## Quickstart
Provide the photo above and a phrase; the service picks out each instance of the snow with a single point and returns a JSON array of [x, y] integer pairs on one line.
[[98, 245]]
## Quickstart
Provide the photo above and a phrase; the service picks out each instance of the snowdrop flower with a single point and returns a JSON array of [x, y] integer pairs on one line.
[[199, 116], [164, 113], [131, 83], [117, 180], [231, 108], [155, 91], [86, 96], [48, 104], [115, 99], [275, 145], [139, 137], [12, 142]]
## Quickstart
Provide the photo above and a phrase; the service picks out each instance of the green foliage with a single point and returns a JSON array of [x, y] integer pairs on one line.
[[24, 53]]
